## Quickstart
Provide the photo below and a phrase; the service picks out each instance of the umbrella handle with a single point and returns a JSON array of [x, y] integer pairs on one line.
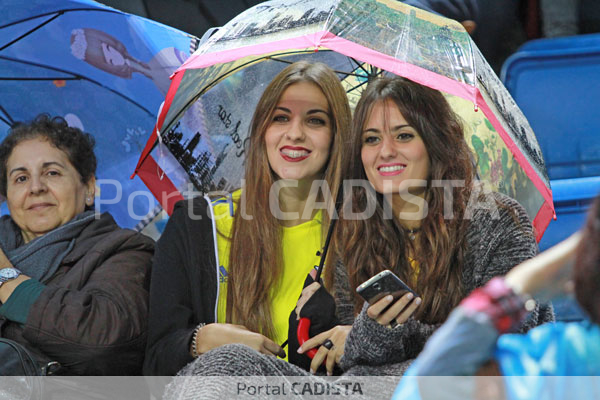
[[302, 333]]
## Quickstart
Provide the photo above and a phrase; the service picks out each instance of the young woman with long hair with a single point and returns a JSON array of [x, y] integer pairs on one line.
[[434, 225], [231, 271], [404, 131]]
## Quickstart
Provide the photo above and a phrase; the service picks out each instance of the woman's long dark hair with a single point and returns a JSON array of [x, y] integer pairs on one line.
[[255, 261], [371, 245]]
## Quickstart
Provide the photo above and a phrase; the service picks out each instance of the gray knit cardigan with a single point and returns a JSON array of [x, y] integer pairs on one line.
[[496, 242]]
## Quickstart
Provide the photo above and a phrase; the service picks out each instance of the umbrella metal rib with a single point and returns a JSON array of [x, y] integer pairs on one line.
[[8, 120], [29, 32], [74, 76], [369, 75]]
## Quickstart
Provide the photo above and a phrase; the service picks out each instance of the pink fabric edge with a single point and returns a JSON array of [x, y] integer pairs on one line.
[[542, 220], [311, 40], [159, 184], [175, 82], [537, 181]]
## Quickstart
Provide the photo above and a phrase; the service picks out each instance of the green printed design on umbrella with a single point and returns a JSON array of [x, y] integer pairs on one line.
[[495, 163], [407, 33]]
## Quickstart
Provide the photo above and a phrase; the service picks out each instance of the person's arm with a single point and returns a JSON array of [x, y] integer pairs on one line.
[[98, 327], [371, 343], [17, 295], [174, 315], [467, 339], [25, 293], [548, 274], [8, 287], [172, 321], [513, 243], [504, 240]]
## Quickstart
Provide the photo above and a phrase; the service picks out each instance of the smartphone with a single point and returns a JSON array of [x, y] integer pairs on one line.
[[381, 285]]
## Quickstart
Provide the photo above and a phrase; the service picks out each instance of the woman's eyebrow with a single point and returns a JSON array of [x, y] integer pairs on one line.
[[317, 110], [394, 128], [18, 169], [44, 165], [51, 163], [370, 130]]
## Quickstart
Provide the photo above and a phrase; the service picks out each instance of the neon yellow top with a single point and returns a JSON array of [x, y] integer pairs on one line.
[[300, 245], [415, 266]]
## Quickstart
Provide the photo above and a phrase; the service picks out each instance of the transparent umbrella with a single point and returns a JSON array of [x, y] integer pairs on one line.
[[218, 87]]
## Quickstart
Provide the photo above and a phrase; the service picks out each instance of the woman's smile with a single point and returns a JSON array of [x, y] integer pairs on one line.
[[391, 169], [294, 153], [40, 206]]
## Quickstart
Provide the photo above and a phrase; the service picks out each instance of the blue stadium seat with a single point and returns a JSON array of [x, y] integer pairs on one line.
[[556, 82]]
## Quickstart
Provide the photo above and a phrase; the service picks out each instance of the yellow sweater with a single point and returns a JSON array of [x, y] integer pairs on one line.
[[300, 245]]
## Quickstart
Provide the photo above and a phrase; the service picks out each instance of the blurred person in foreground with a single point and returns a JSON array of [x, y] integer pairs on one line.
[[473, 338], [72, 283]]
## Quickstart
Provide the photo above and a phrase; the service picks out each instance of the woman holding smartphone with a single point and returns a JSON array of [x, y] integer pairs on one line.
[[231, 271], [434, 226]]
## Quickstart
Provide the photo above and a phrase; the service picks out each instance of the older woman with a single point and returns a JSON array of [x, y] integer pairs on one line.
[[72, 283]]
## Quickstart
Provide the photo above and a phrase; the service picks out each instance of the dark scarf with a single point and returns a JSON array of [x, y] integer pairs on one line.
[[41, 257]]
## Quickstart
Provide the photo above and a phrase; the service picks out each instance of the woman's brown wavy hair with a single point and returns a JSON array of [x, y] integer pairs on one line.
[[371, 245], [255, 261]]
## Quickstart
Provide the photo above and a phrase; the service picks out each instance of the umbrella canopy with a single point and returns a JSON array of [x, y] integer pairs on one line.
[[104, 71], [216, 91]]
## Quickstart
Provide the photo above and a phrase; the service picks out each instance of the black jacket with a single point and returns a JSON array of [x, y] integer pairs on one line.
[[183, 289]]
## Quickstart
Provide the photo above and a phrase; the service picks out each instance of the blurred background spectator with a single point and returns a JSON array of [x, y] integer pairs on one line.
[[191, 16], [498, 27]]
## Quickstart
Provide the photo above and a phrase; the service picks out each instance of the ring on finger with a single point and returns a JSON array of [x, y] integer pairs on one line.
[[328, 344]]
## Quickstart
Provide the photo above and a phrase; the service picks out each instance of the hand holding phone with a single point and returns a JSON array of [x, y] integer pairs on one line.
[[386, 311], [381, 285]]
